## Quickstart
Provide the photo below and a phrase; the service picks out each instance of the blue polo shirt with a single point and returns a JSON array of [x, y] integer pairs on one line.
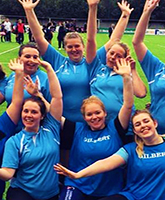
[[154, 70], [33, 156]]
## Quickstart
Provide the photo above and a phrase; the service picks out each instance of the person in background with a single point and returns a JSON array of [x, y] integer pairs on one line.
[[144, 159], [153, 68], [29, 155], [61, 35], [2, 31], [8, 29], [110, 30], [20, 27], [10, 118]]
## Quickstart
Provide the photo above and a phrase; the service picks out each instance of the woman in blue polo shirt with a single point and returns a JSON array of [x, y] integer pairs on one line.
[[104, 82], [30, 154], [153, 68], [97, 139], [145, 160], [10, 118], [72, 71]]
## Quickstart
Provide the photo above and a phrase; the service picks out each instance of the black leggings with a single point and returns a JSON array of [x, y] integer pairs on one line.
[[115, 197], [19, 194]]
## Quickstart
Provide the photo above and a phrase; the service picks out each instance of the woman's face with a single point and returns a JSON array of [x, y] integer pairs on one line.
[[30, 57], [144, 126], [31, 116], [74, 48], [114, 53], [95, 116]]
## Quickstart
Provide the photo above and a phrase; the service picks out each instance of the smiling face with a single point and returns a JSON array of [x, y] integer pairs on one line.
[[29, 57], [31, 116], [114, 53], [74, 48], [94, 115], [144, 126]]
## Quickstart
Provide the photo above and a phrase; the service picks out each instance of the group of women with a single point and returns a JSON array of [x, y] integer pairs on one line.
[[96, 126]]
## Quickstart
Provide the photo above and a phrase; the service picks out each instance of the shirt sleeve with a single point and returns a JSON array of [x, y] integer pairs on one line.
[[123, 153], [53, 57], [101, 53], [7, 126], [151, 65], [11, 154]]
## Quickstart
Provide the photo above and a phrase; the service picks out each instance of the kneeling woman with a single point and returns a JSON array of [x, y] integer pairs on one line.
[[30, 154], [145, 159], [96, 140]]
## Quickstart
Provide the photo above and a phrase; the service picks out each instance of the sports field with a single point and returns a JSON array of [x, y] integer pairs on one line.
[[155, 43]]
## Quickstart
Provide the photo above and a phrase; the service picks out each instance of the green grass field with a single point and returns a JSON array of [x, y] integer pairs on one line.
[[155, 43]]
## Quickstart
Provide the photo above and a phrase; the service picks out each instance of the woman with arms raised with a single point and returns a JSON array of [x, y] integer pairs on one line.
[[10, 118], [30, 154], [151, 65], [145, 160], [72, 71], [96, 139]]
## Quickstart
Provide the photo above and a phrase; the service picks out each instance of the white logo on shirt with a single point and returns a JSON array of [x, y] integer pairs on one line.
[[100, 139]]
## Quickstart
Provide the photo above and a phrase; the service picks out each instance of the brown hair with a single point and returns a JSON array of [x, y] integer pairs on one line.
[[28, 45], [124, 46], [91, 99], [72, 35], [40, 103]]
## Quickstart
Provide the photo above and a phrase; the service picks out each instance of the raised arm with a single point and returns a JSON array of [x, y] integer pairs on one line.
[[56, 106], [139, 87], [121, 25], [34, 24], [100, 166], [91, 30], [14, 108], [139, 46], [124, 69]]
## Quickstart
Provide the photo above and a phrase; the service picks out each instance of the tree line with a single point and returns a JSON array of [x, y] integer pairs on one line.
[[108, 9]]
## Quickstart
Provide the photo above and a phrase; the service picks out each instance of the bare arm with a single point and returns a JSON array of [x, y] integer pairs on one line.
[[14, 108], [139, 46], [121, 25], [100, 166], [6, 173], [34, 24], [139, 87], [91, 30], [124, 69], [56, 106]]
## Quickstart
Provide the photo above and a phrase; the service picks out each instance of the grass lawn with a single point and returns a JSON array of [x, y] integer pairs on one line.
[[155, 43]]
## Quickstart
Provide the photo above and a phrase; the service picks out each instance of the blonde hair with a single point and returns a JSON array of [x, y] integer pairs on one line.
[[138, 140], [72, 35], [91, 99]]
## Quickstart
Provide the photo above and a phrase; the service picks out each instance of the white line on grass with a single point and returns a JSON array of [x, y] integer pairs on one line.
[[9, 50]]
